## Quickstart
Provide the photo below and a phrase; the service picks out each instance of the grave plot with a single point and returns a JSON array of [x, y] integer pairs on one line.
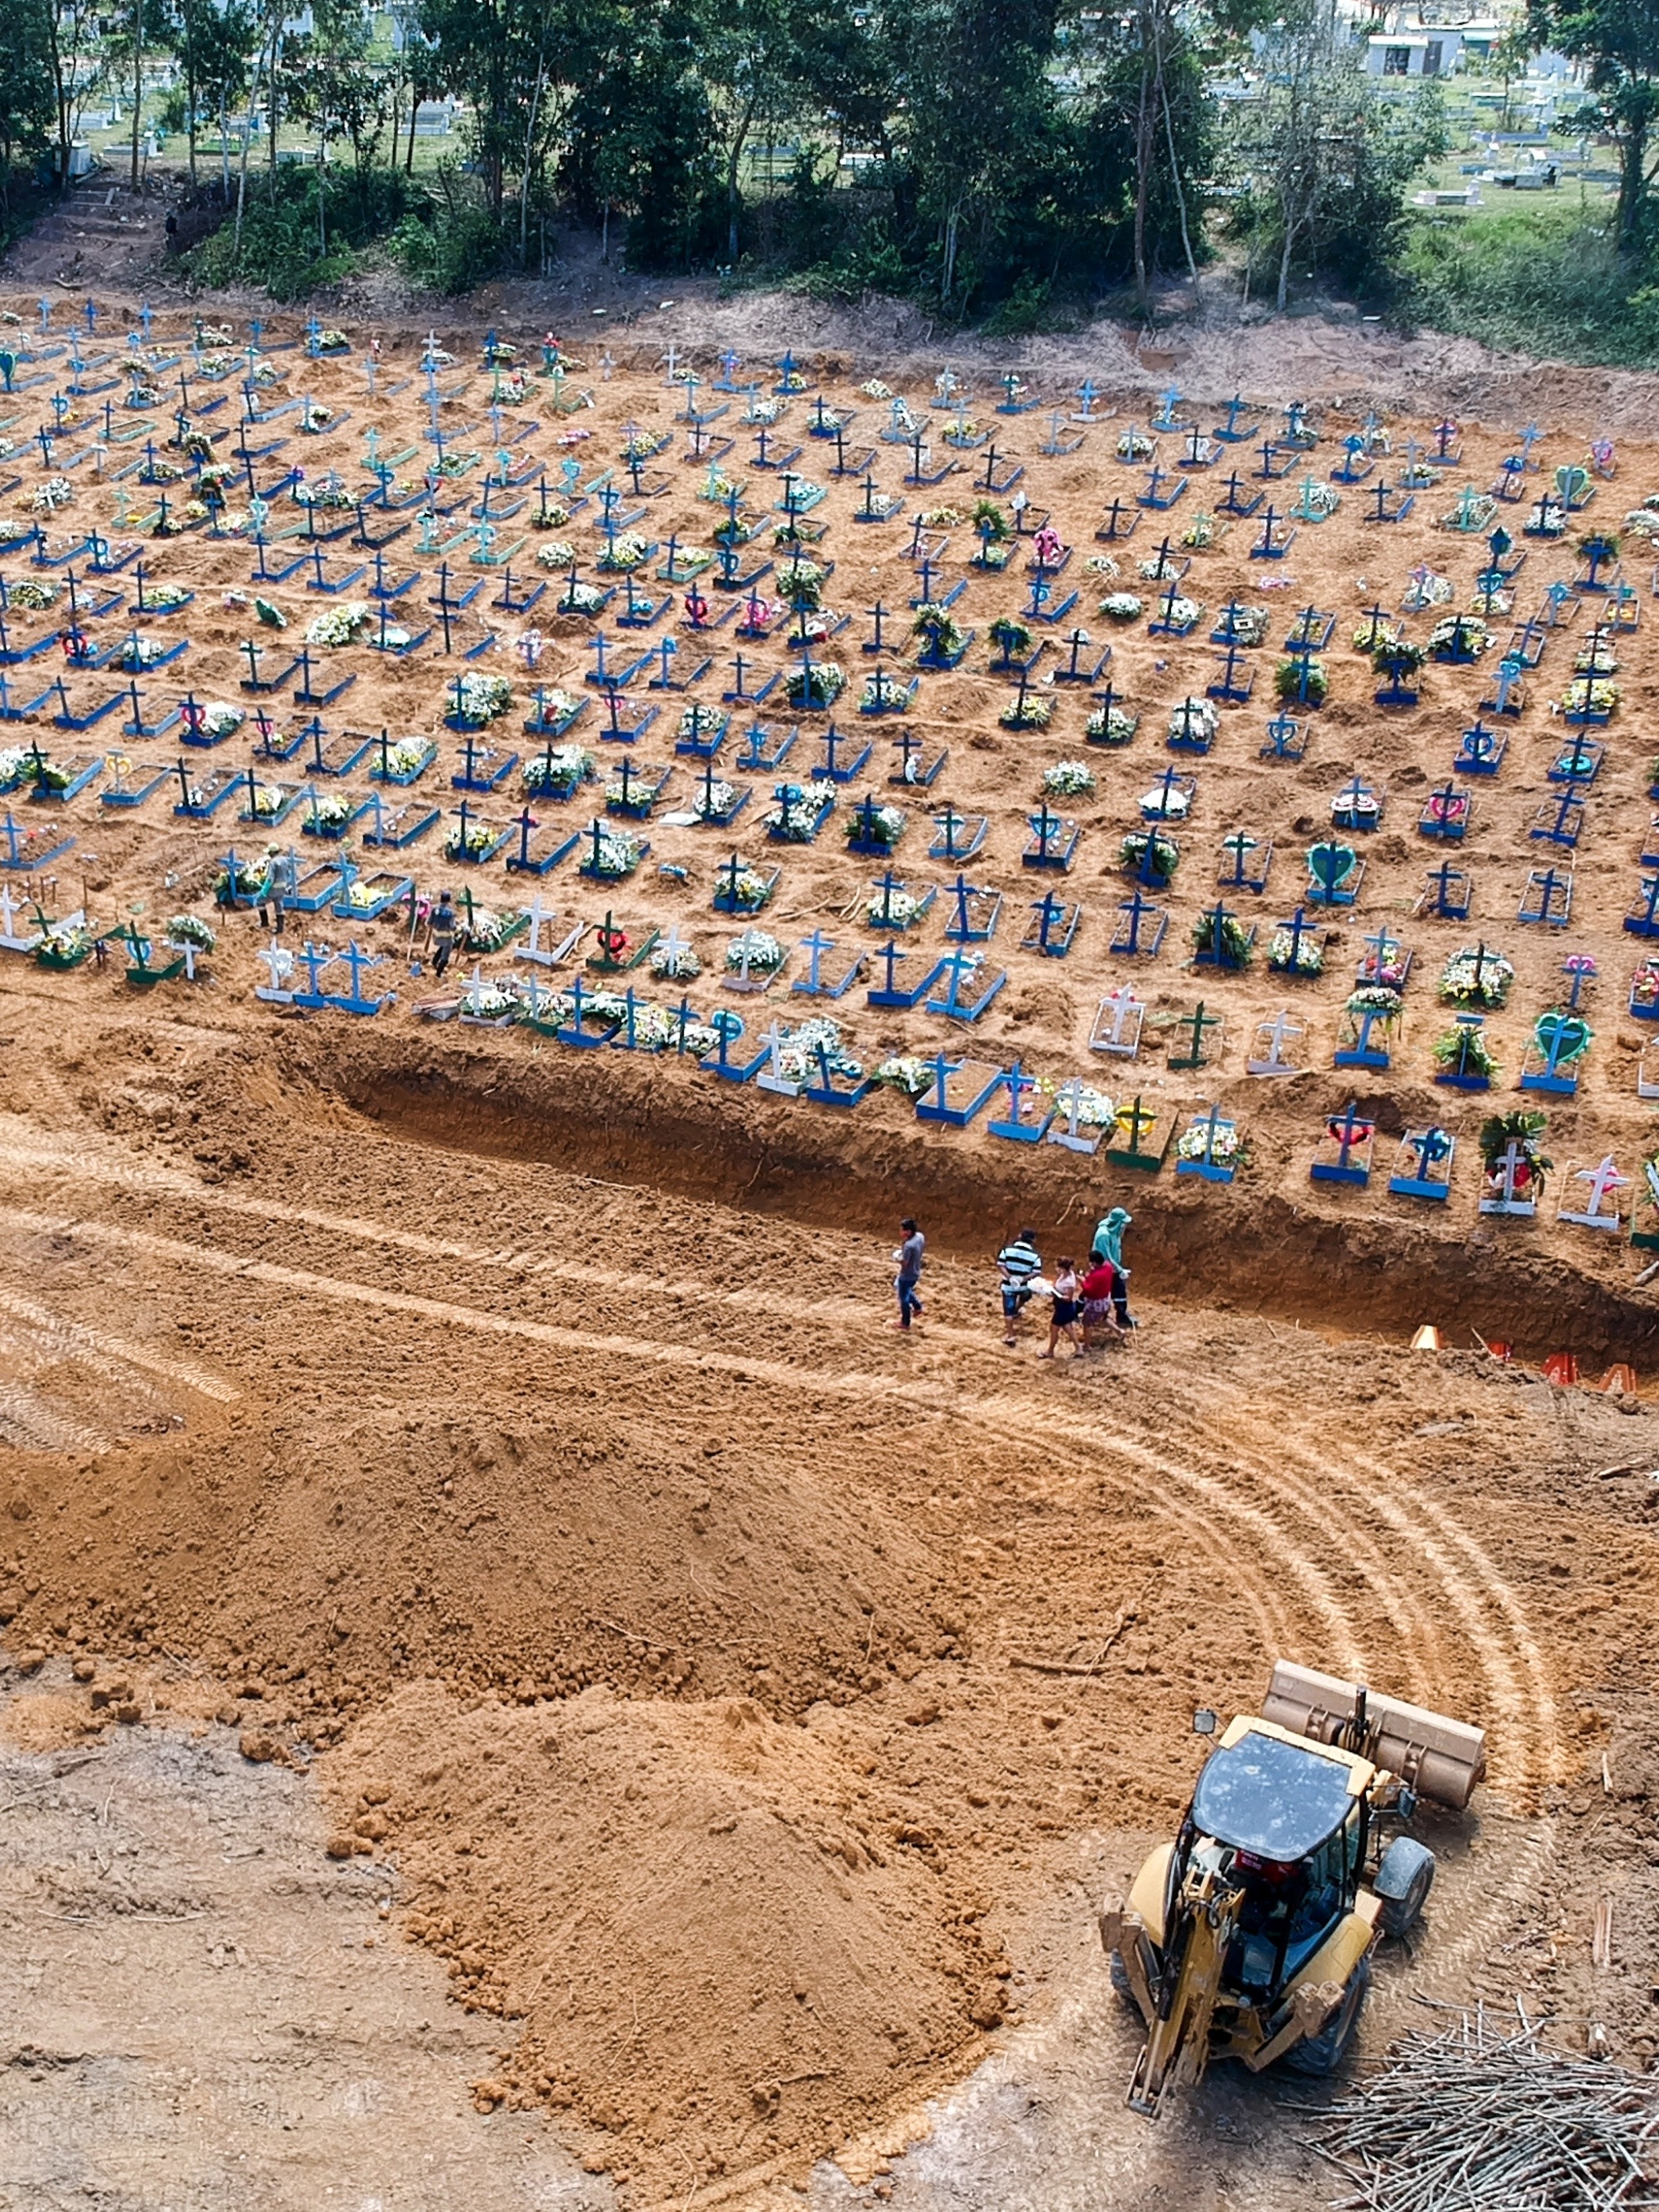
[[978, 730]]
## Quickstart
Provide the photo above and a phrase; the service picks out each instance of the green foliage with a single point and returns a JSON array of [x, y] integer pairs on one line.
[[452, 244], [1618, 41], [28, 104], [280, 241], [1539, 282]]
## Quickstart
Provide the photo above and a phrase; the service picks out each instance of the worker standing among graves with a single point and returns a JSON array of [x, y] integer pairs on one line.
[[443, 933], [906, 1282], [1017, 1262], [1109, 1245]]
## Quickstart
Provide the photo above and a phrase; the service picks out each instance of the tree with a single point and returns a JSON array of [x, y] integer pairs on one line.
[[1618, 42], [77, 59], [1509, 57], [213, 41], [28, 100]]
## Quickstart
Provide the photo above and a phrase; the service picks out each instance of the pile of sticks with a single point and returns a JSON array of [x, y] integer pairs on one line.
[[1465, 2121]]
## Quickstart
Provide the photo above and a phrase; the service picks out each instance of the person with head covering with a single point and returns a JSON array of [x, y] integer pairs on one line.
[[1108, 1246]]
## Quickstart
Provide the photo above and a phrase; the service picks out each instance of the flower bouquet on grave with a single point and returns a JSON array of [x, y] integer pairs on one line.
[[988, 522], [1010, 635], [1223, 1145], [1642, 521], [1524, 1130], [56, 493], [333, 341], [1122, 606], [1178, 613], [193, 510], [1588, 695], [245, 884], [47, 776], [1093, 1108], [1292, 952], [660, 1029], [552, 516], [904, 1071], [1476, 976], [160, 599], [1195, 720], [579, 599], [713, 799], [756, 951], [809, 629], [1376, 998], [1425, 588], [219, 719], [875, 825], [16, 766], [492, 1000], [1386, 972], [698, 723], [468, 841], [801, 584], [816, 687], [1226, 940], [1202, 532], [629, 796], [1399, 659], [1459, 633], [65, 944], [332, 496], [407, 757], [188, 929], [328, 811], [963, 431], [33, 594], [761, 414], [893, 909], [266, 801], [340, 625], [557, 769], [796, 818], [1166, 802], [875, 389], [674, 964], [1294, 688], [883, 694], [1029, 713], [1644, 987], [1150, 849], [480, 699], [937, 631], [452, 465], [1163, 567], [1134, 446], [643, 445], [623, 555], [1111, 725], [747, 889], [613, 853], [138, 652], [483, 930], [1068, 779], [1246, 625], [1596, 659]]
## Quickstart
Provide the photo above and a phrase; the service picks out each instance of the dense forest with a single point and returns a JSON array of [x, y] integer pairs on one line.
[[1001, 159]]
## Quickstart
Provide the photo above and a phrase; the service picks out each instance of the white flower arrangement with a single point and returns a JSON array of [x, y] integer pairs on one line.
[[1246, 625], [1134, 446], [1100, 564], [885, 691], [138, 651], [1122, 606], [894, 909], [904, 1071], [1112, 726], [1592, 694], [579, 598], [794, 820], [489, 999], [697, 722], [1597, 659], [339, 625], [1427, 590], [760, 951], [713, 799], [1476, 976], [1179, 611], [48, 498], [481, 698], [748, 890], [1161, 565], [486, 931], [878, 825], [1166, 803], [1194, 717], [1301, 954], [407, 755], [1068, 779], [675, 964], [623, 555], [182, 929], [1029, 714], [330, 809], [875, 389], [1201, 533], [558, 768], [1318, 502], [804, 1051], [35, 593], [1223, 1146], [220, 718], [160, 599], [614, 853], [1464, 633], [266, 801]]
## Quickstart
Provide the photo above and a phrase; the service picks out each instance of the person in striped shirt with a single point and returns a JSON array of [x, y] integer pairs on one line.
[[1017, 1263]]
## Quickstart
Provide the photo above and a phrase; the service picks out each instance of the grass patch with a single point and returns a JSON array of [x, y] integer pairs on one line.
[[1539, 282]]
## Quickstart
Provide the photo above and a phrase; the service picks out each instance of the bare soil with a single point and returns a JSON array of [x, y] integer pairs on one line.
[[484, 1470]]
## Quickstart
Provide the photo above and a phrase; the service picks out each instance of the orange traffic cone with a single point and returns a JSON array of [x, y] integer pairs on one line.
[[1561, 1368]]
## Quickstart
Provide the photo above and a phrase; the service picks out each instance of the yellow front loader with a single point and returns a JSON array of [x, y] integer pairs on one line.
[[1250, 1936]]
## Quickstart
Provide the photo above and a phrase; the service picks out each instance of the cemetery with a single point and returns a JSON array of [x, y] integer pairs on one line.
[[863, 789]]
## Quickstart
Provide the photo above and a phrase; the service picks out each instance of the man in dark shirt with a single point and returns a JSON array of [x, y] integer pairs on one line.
[[443, 934], [909, 1272]]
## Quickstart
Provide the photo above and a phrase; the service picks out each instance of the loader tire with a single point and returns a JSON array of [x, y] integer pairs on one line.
[[1324, 2052], [1403, 1882]]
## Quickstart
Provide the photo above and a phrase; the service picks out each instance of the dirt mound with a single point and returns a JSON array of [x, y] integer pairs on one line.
[[724, 1942], [533, 1557]]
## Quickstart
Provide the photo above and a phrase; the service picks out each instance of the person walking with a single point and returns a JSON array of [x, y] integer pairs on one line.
[[1108, 1246], [907, 1281], [1099, 1289], [1067, 1307], [443, 933], [1017, 1263]]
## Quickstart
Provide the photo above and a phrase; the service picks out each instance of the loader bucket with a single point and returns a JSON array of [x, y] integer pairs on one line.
[[1439, 1758]]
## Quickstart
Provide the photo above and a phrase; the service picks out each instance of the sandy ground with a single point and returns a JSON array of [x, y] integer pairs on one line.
[[482, 1471]]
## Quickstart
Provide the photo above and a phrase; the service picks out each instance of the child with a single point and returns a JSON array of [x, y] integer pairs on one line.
[[1063, 1316]]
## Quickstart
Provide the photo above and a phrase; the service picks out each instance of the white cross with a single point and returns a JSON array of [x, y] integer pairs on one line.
[[672, 945], [772, 1077], [1068, 1099], [280, 960], [537, 914], [1121, 1004], [1276, 1031], [1604, 1181]]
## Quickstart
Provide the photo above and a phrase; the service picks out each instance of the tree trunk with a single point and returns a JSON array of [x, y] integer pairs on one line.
[[1632, 184], [1143, 163], [1175, 174], [247, 141], [190, 101], [1284, 261], [137, 81]]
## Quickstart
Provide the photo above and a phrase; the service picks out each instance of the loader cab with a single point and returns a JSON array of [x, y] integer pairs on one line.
[[1283, 1820]]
